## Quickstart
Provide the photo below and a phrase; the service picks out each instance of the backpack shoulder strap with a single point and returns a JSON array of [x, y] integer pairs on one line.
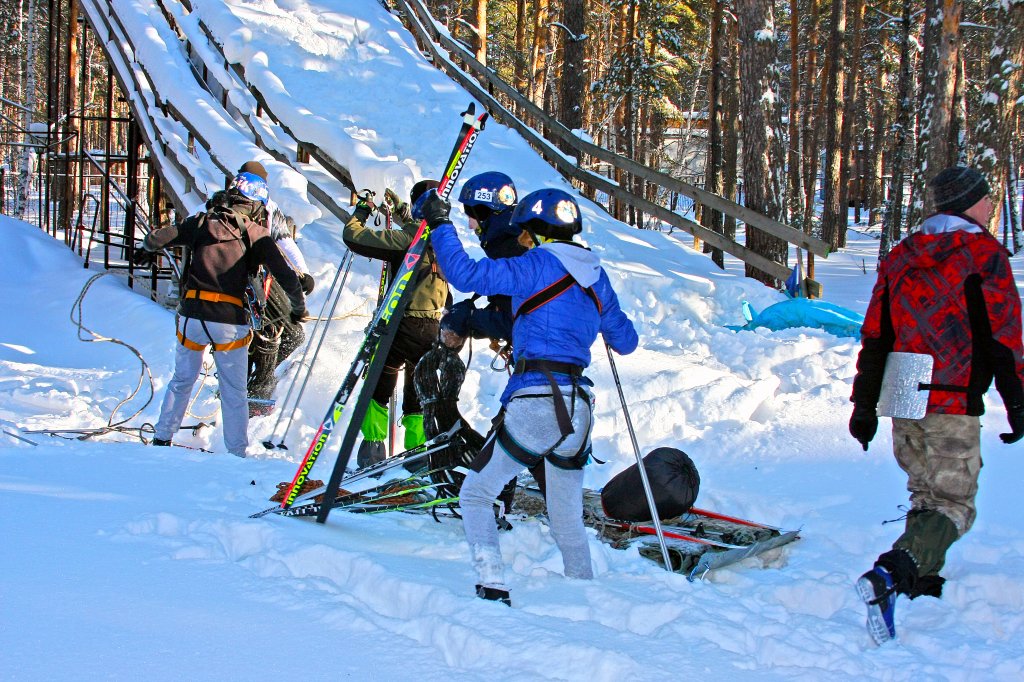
[[551, 292]]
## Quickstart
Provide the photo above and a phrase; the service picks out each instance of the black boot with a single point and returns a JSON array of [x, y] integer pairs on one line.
[[494, 594], [902, 567], [161, 442]]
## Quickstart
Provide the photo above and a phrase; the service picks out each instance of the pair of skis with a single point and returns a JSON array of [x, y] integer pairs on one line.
[[380, 335], [414, 459]]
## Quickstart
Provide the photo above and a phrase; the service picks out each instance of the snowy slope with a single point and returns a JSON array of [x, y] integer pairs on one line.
[[141, 562]]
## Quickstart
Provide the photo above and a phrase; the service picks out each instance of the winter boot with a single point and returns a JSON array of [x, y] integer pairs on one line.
[[877, 590], [161, 442], [494, 594], [370, 452]]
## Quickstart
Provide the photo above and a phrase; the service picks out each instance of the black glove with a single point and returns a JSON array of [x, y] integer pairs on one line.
[[434, 209], [863, 425], [1015, 416], [143, 258], [307, 282], [364, 206], [299, 316], [457, 317]]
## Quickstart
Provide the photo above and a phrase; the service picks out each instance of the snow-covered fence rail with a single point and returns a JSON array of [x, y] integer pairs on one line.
[[226, 71]]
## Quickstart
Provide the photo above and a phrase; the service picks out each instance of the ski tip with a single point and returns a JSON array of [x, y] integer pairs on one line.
[[483, 120], [470, 110]]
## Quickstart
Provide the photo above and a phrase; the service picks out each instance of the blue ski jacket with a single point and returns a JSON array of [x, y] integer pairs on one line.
[[565, 328]]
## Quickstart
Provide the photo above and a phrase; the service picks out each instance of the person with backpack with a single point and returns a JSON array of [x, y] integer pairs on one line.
[[224, 246], [277, 336], [562, 299], [418, 328], [488, 200], [945, 299]]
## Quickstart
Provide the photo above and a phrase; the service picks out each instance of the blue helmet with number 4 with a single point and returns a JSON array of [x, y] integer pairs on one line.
[[550, 213]]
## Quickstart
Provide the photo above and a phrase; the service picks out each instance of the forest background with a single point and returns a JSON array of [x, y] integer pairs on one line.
[[798, 110]]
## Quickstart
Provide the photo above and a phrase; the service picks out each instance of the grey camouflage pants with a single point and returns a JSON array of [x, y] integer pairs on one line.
[[942, 457]]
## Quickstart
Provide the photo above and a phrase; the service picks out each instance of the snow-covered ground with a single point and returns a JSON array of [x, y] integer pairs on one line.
[[128, 562]]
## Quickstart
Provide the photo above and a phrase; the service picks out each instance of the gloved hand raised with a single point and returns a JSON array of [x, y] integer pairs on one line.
[[399, 208], [432, 208], [307, 282], [299, 316], [143, 258], [863, 425], [364, 205], [1015, 416]]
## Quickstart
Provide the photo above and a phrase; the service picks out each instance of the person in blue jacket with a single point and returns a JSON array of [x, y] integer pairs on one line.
[[562, 299], [488, 200]]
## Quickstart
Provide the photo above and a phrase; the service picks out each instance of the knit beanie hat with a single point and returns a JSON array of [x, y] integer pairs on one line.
[[958, 188], [254, 167]]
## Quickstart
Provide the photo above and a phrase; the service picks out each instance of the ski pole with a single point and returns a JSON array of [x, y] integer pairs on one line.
[[640, 464], [316, 353], [333, 297], [269, 443]]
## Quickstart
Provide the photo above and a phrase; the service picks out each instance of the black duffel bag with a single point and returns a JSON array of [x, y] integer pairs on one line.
[[674, 482]]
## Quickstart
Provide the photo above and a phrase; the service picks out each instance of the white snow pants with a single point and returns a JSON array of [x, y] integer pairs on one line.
[[565, 511], [232, 372]]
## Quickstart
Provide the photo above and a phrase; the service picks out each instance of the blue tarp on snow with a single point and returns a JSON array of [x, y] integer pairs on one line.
[[803, 312]]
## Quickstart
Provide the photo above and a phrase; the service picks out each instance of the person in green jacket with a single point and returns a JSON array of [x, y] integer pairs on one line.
[[418, 328]]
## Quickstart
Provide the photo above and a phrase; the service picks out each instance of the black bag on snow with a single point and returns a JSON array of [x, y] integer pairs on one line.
[[674, 482]]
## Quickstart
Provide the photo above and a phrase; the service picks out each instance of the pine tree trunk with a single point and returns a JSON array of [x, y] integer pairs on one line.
[[480, 37], [758, 93], [794, 194], [893, 221], [712, 219], [833, 213], [730, 121], [877, 158], [28, 156], [847, 138], [572, 86], [992, 133], [1013, 209], [538, 72], [520, 71], [935, 149], [809, 135]]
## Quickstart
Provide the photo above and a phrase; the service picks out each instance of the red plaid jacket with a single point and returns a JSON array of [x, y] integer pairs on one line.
[[950, 295]]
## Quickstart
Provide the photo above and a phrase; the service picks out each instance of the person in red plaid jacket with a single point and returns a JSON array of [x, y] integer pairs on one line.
[[946, 291]]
